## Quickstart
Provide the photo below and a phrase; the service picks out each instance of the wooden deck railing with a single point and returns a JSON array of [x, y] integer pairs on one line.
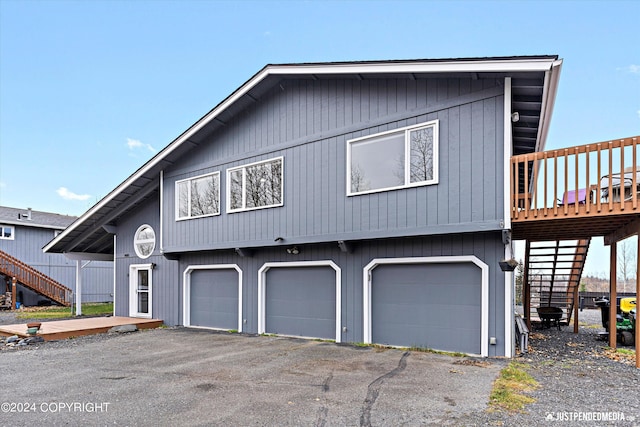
[[586, 180], [34, 279]]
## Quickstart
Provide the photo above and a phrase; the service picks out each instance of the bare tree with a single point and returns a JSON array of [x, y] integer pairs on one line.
[[626, 263], [199, 196], [519, 283], [235, 189], [421, 155], [262, 185], [358, 180]]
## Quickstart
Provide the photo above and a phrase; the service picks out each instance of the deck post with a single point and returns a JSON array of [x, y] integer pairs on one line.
[[14, 293], [78, 289], [576, 303], [526, 292], [613, 295], [637, 293]]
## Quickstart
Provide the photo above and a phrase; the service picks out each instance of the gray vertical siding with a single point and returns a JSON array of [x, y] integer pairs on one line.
[[166, 295], [97, 277], [487, 247], [309, 124]]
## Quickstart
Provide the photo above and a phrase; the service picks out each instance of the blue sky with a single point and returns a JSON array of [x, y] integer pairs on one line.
[[89, 91]]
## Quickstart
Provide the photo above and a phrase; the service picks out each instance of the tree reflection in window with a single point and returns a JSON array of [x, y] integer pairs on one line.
[[421, 155], [256, 186], [144, 241], [199, 196], [394, 159]]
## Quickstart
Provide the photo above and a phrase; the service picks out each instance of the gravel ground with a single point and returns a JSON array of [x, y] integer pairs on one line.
[[577, 381], [580, 383]]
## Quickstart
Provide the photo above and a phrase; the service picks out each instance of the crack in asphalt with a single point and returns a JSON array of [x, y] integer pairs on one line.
[[325, 384], [374, 390], [322, 417]]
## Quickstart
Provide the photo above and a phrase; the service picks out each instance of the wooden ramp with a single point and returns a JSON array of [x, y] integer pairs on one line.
[[61, 329]]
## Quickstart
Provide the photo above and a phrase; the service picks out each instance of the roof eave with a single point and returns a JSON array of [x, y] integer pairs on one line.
[[552, 78]]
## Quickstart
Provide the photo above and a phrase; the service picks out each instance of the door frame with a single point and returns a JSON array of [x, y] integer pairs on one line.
[[186, 291], [484, 308], [133, 290]]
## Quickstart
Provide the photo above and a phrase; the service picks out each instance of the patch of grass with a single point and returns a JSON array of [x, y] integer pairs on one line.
[[232, 331], [509, 389], [412, 348], [324, 340], [626, 351], [57, 312]]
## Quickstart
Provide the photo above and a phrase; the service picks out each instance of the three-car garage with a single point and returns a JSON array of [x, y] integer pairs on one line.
[[427, 302]]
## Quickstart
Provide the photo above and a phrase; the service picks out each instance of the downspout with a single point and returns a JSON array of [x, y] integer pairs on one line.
[[78, 288], [115, 263], [161, 210], [509, 303]]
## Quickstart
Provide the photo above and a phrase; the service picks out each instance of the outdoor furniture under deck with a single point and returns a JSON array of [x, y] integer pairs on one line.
[[550, 316]]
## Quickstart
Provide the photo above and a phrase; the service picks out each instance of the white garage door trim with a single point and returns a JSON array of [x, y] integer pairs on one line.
[[484, 322], [186, 295], [262, 280]]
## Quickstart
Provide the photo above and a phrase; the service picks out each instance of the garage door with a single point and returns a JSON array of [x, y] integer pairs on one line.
[[213, 299], [436, 306], [301, 301]]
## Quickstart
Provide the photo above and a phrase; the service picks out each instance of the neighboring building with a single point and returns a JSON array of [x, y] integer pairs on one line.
[[359, 202], [23, 234]]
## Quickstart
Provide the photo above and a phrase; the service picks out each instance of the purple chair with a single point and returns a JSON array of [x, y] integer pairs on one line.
[[574, 196]]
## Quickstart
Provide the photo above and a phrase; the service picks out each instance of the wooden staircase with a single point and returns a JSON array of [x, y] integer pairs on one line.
[[554, 270], [31, 278]]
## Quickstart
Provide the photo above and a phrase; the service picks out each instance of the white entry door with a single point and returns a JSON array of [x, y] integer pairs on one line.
[[140, 290]]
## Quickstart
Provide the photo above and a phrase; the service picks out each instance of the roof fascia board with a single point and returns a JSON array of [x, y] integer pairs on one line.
[[143, 192], [33, 225], [550, 90], [413, 67], [85, 256], [531, 64]]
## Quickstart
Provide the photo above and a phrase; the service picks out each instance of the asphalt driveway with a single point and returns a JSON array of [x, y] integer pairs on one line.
[[197, 377]]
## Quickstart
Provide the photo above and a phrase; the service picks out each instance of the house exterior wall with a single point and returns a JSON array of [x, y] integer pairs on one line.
[[309, 122], [165, 273], [97, 277], [168, 280]]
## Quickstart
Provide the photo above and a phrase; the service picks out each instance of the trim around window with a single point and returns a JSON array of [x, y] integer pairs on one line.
[[144, 241], [198, 196], [256, 185], [7, 232], [399, 158]]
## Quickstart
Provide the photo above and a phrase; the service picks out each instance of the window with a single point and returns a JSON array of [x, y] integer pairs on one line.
[[406, 157], [144, 242], [255, 186], [198, 197], [6, 232]]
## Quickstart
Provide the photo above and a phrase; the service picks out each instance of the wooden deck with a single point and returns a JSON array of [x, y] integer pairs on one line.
[[576, 193], [62, 329]]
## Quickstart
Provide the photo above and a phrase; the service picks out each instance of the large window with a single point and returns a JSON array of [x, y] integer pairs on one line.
[[400, 158], [6, 232], [255, 186], [198, 197]]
